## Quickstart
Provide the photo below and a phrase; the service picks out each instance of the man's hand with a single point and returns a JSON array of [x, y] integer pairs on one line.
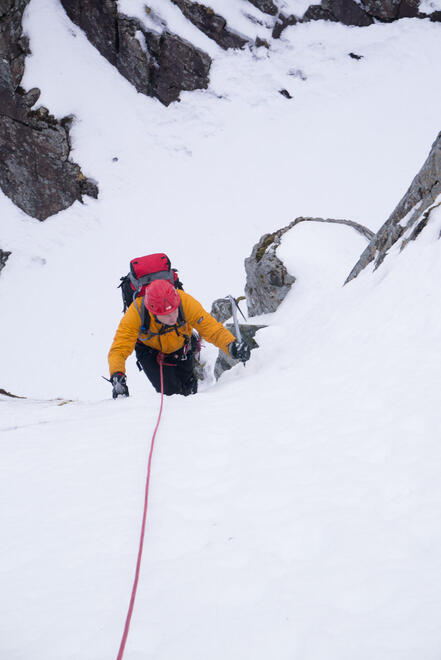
[[239, 350], [119, 384]]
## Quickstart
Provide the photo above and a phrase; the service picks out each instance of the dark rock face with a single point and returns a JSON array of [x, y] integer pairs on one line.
[[13, 46], [224, 362], [268, 280], [35, 170], [179, 67], [157, 65], [317, 13], [265, 6], [13, 396], [3, 258], [282, 23], [99, 20], [384, 10], [415, 207], [410, 9], [347, 12], [364, 13], [211, 24]]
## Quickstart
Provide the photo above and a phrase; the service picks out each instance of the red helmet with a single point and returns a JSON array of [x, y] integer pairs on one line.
[[161, 297]]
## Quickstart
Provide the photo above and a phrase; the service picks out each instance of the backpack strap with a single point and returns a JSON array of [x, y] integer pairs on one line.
[[145, 322], [145, 318]]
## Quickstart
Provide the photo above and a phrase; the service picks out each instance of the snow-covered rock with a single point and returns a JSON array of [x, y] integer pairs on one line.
[[165, 66], [411, 214], [268, 281], [211, 24]]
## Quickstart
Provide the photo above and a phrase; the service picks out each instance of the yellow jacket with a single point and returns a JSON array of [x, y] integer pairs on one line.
[[196, 317]]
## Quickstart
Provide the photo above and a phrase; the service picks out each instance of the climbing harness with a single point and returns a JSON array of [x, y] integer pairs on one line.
[[160, 360], [144, 518]]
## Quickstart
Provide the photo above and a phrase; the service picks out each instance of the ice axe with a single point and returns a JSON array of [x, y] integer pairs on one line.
[[234, 308]]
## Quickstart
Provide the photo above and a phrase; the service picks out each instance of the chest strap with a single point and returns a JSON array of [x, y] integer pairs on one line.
[[165, 329]]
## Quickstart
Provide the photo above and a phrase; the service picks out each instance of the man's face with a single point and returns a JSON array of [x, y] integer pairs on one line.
[[168, 319]]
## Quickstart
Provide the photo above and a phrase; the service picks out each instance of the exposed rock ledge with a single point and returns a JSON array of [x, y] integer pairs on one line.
[[413, 211]]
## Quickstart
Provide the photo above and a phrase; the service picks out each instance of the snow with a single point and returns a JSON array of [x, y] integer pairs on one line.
[[293, 7], [429, 6], [295, 504], [241, 17], [159, 15]]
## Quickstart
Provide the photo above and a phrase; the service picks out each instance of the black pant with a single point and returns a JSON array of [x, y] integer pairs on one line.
[[179, 378]]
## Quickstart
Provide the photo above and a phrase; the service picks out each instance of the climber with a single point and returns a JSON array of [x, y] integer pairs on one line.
[[159, 327]]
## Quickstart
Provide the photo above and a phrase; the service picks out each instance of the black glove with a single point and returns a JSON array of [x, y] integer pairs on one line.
[[239, 350], [119, 384]]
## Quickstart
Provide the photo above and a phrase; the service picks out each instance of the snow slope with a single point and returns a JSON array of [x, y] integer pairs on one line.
[[295, 504]]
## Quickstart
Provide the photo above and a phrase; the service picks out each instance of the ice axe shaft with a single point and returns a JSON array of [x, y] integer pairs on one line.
[[239, 338], [236, 322]]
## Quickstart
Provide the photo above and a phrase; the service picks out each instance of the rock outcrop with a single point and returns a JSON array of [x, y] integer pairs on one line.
[[391, 10], [411, 214], [265, 6], [359, 14], [347, 12], [35, 170], [211, 24], [281, 24], [158, 65], [12, 396], [14, 46], [268, 280], [4, 256], [221, 309]]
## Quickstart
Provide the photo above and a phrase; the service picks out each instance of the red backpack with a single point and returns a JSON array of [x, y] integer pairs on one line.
[[143, 270]]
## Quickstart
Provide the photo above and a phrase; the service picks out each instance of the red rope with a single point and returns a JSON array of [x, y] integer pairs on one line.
[[144, 518]]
